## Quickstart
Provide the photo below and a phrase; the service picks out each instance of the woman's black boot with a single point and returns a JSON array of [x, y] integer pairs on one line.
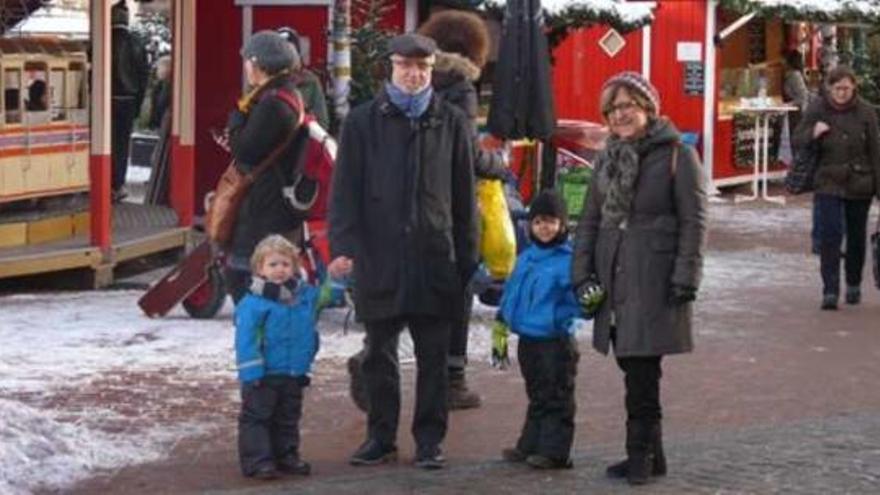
[[621, 469], [639, 451]]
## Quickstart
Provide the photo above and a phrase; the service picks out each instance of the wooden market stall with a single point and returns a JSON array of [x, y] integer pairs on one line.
[[704, 57]]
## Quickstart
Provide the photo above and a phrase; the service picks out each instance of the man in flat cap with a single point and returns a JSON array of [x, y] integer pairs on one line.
[[403, 218]]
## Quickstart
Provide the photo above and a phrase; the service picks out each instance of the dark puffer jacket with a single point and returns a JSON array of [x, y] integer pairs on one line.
[[453, 81], [849, 158], [264, 210]]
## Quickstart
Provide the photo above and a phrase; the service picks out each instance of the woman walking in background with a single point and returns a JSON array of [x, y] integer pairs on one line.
[[845, 127]]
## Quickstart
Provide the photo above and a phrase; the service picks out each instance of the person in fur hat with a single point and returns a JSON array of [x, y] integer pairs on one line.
[[463, 42]]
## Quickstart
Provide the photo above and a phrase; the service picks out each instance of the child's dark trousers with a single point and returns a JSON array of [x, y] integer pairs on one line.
[[268, 426], [549, 368]]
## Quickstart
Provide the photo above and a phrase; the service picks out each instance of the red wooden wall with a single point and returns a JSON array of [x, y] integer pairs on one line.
[[679, 21], [581, 67], [218, 85]]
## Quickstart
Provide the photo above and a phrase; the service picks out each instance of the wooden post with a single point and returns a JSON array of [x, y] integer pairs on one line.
[[100, 165], [182, 177]]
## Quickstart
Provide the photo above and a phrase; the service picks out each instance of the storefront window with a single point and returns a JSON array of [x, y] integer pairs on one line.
[[12, 95], [57, 91]]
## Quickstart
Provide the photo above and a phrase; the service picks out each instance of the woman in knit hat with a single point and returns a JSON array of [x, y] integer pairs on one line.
[[639, 243], [265, 118]]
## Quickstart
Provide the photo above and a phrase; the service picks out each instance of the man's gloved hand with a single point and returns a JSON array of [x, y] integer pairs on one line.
[[236, 120], [500, 333], [591, 295], [680, 294]]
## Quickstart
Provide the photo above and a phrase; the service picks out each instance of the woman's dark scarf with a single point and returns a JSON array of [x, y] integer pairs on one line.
[[619, 164]]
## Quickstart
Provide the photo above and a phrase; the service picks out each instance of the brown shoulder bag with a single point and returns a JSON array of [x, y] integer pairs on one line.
[[224, 202]]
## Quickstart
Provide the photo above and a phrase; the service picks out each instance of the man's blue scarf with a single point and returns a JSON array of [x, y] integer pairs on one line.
[[413, 106]]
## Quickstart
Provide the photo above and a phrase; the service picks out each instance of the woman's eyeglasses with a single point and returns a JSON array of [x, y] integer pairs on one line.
[[622, 107]]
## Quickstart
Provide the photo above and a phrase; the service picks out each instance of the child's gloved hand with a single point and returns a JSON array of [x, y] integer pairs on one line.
[[500, 333], [591, 295]]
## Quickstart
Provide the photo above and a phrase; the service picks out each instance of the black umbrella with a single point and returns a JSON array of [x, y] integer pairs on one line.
[[522, 95]]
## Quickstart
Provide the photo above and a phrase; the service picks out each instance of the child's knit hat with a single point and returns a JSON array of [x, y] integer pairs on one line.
[[550, 204]]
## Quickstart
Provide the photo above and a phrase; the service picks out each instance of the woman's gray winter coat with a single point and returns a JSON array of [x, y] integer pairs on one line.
[[661, 244]]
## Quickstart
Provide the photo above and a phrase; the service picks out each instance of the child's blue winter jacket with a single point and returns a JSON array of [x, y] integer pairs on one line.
[[538, 299], [274, 337]]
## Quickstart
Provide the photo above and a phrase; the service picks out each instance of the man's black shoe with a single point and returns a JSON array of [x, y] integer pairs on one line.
[[430, 458], [296, 467], [542, 462], [371, 453]]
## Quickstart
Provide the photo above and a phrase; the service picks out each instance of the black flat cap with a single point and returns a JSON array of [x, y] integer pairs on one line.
[[412, 45]]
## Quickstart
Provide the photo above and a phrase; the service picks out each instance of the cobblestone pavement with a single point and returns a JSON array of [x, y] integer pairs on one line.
[[834, 456], [778, 397]]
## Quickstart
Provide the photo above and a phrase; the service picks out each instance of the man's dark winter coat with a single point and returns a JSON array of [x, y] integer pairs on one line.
[[264, 210], [453, 81], [403, 207], [849, 156], [522, 96]]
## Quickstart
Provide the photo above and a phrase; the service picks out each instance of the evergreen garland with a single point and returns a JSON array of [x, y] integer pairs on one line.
[[836, 11]]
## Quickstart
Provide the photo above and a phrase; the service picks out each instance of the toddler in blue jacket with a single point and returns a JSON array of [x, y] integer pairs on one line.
[[275, 345], [539, 305]]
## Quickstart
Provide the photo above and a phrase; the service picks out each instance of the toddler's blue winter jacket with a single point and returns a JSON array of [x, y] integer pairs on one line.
[[276, 338], [538, 299]]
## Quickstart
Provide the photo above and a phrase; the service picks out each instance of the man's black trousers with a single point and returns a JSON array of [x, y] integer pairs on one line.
[[381, 372]]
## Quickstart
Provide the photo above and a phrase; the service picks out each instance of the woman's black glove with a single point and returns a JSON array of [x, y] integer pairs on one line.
[[680, 294]]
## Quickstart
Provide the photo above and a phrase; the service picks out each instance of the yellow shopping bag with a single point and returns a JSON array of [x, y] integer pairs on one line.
[[498, 240]]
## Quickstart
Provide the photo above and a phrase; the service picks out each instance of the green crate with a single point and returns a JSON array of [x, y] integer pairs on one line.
[[574, 185]]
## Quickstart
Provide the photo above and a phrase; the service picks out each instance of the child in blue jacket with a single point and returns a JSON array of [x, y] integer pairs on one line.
[[275, 345], [539, 305]]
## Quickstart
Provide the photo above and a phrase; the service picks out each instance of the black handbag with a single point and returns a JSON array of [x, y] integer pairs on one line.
[[875, 251], [802, 173]]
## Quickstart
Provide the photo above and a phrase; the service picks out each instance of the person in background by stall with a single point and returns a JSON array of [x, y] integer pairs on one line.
[[130, 73], [160, 96], [307, 82], [641, 239], [846, 129]]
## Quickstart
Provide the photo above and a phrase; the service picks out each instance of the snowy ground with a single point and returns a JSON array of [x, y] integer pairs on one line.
[[88, 383]]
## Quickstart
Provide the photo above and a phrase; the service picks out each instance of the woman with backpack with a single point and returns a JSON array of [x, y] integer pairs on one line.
[[266, 118]]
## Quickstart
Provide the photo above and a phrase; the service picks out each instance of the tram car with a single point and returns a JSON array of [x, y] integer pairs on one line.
[[44, 119]]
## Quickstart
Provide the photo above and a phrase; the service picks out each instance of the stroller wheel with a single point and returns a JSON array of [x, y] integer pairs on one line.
[[205, 302]]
